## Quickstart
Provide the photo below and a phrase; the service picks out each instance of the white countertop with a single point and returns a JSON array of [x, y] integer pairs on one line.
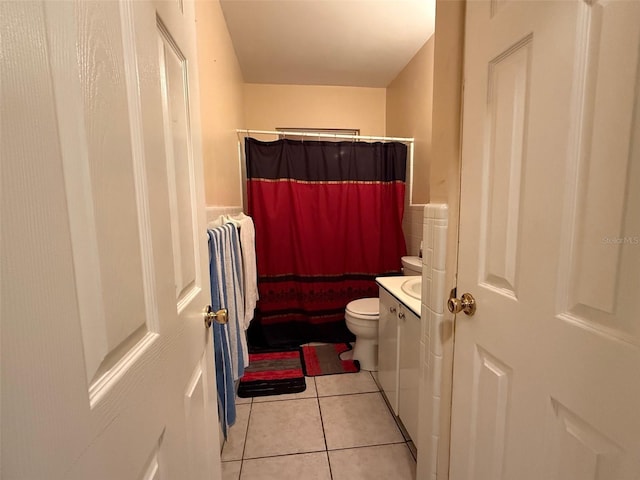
[[394, 286]]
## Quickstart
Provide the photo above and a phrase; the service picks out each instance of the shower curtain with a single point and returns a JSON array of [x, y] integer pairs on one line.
[[328, 219]]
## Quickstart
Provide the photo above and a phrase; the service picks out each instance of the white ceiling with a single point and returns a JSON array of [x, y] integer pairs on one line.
[[327, 42]]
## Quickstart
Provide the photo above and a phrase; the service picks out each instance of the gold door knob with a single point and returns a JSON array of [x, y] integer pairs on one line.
[[210, 316], [465, 304]]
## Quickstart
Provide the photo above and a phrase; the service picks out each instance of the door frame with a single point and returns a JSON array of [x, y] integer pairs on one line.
[[444, 183]]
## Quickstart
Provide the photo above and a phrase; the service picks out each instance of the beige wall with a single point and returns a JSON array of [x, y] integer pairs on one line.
[[444, 176], [447, 100], [409, 103], [268, 107], [221, 99]]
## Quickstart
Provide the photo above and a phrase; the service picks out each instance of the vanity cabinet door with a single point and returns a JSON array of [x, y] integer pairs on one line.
[[409, 370], [388, 348]]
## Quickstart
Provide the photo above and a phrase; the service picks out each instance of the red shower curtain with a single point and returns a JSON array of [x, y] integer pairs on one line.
[[328, 221]]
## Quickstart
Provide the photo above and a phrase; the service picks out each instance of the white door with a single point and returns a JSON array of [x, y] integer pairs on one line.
[[546, 382], [107, 368]]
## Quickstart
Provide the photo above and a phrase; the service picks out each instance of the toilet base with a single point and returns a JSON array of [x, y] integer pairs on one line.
[[366, 352]]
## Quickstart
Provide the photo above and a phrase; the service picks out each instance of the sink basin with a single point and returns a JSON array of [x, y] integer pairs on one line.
[[413, 287]]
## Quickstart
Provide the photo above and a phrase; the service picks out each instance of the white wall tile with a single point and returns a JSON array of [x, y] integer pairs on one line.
[[214, 211], [435, 342], [427, 257], [438, 210], [433, 455], [428, 233], [425, 370], [434, 288], [425, 320], [426, 288], [425, 423], [438, 291], [435, 416], [436, 375], [415, 243], [439, 246], [412, 227]]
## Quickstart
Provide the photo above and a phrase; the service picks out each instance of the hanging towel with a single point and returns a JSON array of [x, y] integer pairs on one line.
[[230, 292], [248, 244], [247, 234], [218, 222], [235, 297], [224, 379]]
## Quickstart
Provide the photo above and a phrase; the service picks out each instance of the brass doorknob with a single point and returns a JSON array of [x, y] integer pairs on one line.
[[210, 316], [466, 303]]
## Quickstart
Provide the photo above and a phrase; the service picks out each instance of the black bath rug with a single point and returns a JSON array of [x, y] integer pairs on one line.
[[272, 373]]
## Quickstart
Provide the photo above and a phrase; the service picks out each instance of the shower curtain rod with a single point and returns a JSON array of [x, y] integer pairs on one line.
[[410, 141], [327, 135]]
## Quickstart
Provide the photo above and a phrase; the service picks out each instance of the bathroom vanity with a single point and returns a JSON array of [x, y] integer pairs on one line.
[[399, 333]]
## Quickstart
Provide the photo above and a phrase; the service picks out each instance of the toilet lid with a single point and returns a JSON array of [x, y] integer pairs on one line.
[[364, 306]]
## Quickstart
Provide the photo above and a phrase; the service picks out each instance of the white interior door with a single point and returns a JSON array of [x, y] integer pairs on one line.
[[107, 368], [546, 372]]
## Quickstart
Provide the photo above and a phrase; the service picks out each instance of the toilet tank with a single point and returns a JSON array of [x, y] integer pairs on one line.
[[411, 266]]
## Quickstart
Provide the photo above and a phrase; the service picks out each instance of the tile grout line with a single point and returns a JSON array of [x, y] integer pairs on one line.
[[324, 433], [415, 457], [317, 395], [329, 463], [368, 446], [246, 435], [293, 454], [327, 451]]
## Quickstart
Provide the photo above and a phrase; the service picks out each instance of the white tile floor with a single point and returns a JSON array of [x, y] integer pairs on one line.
[[339, 428]]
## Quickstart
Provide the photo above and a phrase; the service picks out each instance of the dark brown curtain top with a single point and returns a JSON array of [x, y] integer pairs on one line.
[[321, 161]]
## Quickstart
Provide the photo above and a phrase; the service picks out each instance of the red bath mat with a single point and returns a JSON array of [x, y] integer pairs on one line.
[[272, 373], [325, 360]]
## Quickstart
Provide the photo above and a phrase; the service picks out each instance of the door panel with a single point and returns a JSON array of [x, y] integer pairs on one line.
[[175, 93], [544, 371], [576, 450], [153, 470], [201, 420], [490, 410], [115, 379], [595, 278], [505, 139], [113, 185]]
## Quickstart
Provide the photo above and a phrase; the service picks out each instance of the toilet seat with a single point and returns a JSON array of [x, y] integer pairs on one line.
[[361, 317], [364, 308]]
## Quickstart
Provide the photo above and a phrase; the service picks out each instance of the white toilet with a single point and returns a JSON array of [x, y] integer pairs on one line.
[[411, 266], [362, 320]]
